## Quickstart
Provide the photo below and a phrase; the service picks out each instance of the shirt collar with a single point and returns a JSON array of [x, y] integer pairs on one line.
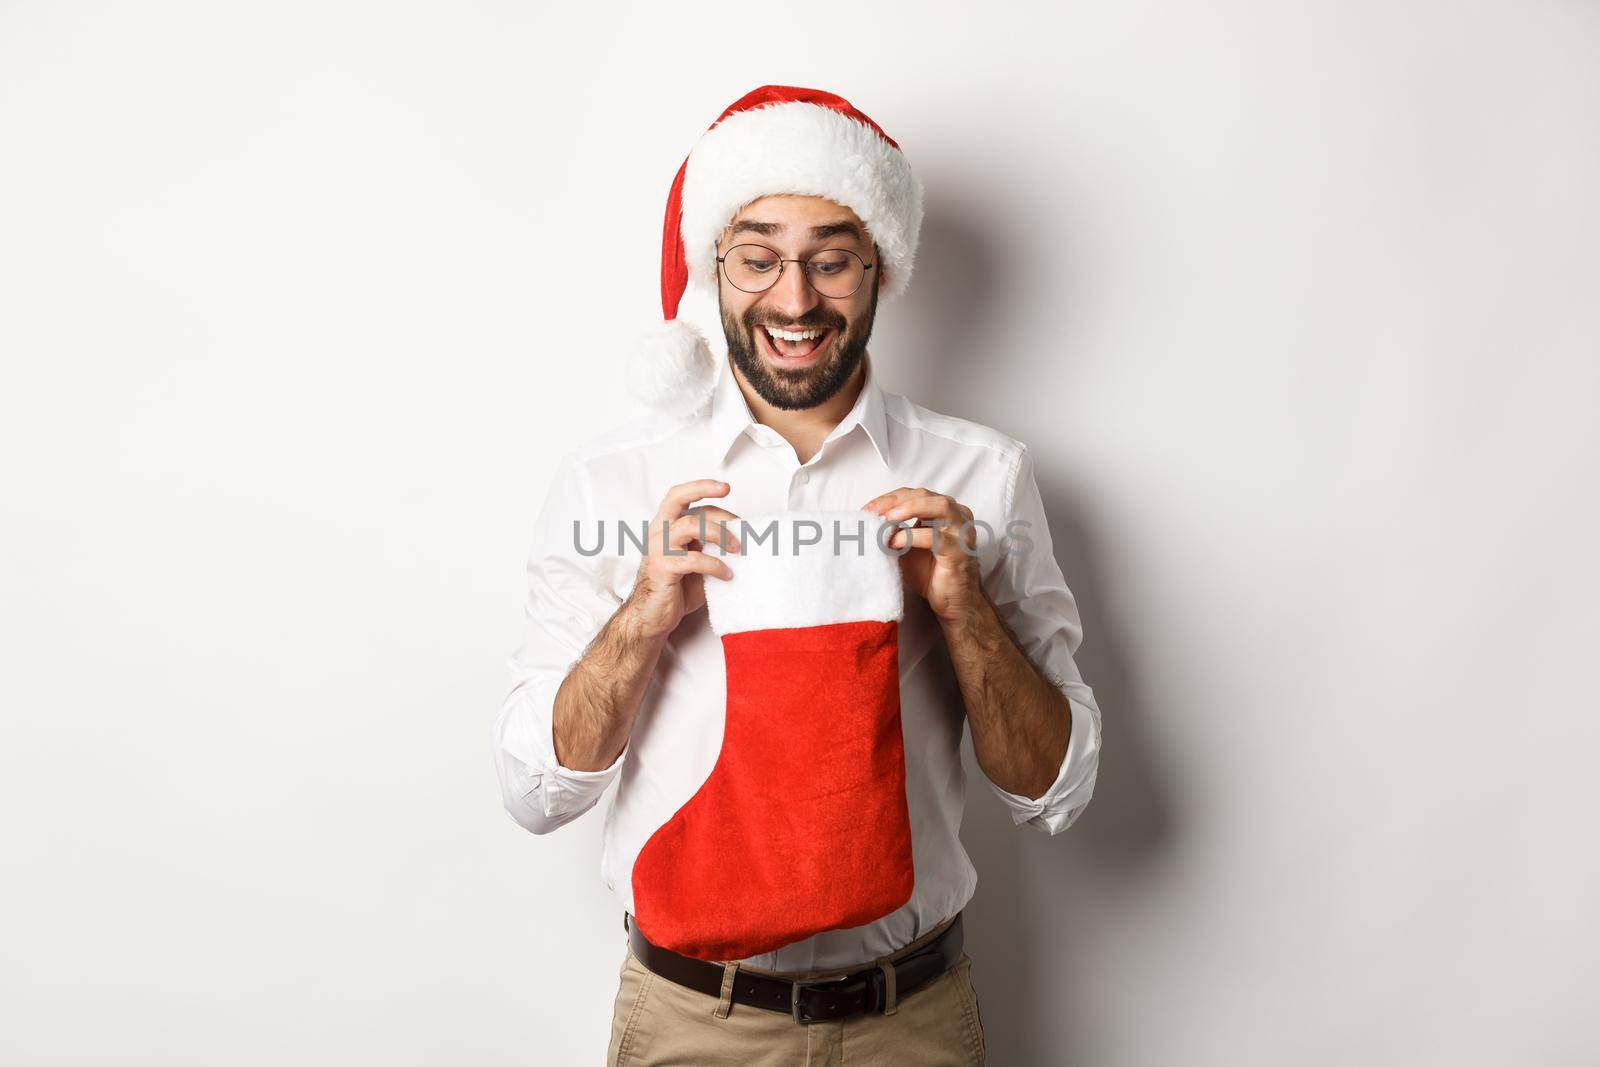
[[730, 414]]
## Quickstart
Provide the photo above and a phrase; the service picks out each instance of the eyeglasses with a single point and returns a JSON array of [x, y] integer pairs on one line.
[[832, 272]]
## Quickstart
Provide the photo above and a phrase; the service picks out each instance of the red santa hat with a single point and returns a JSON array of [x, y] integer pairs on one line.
[[773, 141]]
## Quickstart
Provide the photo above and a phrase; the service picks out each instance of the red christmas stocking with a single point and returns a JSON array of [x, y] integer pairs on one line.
[[802, 824]]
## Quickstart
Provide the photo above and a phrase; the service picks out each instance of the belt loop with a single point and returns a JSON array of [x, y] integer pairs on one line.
[[725, 1001], [888, 987]]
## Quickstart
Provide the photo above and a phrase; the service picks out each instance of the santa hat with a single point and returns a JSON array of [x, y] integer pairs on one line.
[[773, 141]]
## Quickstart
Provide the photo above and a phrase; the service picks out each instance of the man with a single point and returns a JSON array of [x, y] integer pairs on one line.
[[801, 212]]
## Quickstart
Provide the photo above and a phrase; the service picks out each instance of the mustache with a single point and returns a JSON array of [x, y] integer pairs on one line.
[[822, 321]]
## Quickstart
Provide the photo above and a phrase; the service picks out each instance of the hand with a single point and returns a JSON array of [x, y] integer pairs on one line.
[[668, 587], [947, 577]]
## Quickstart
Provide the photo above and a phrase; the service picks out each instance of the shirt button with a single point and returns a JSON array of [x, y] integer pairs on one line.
[[803, 477]]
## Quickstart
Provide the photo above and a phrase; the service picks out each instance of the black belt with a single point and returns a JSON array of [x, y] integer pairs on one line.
[[812, 1000]]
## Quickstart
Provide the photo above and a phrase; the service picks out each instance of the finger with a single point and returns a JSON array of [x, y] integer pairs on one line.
[[692, 527], [679, 497], [697, 563], [899, 524], [932, 506], [886, 500], [950, 539], [717, 519]]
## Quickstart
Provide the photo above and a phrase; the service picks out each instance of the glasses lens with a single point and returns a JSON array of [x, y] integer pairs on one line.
[[835, 272], [752, 268]]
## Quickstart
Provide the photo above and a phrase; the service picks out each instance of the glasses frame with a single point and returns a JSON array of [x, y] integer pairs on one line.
[[804, 263]]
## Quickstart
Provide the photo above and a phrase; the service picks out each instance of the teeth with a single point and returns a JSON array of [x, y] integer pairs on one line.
[[793, 335]]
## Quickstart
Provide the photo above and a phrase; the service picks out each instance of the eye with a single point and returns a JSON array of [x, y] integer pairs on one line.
[[757, 264], [827, 264]]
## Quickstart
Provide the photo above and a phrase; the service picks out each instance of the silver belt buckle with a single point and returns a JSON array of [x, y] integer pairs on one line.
[[794, 997]]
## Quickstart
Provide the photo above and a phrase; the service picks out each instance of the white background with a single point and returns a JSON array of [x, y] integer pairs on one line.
[[1294, 302]]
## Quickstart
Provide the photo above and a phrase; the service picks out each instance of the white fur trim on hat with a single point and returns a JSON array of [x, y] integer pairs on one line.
[[830, 580], [671, 368], [806, 150]]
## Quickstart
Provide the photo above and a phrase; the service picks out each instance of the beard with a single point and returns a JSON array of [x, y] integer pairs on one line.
[[795, 388]]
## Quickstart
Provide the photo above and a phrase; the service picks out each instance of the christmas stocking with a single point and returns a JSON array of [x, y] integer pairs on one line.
[[802, 824]]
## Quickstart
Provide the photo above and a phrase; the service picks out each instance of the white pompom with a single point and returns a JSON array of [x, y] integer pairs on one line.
[[671, 368]]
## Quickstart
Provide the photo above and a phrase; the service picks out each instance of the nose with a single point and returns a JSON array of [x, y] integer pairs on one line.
[[792, 294]]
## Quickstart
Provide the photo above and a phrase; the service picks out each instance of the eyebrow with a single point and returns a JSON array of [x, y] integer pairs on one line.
[[818, 233]]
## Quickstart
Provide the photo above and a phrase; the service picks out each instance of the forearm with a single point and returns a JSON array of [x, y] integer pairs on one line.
[[1021, 724], [595, 706]]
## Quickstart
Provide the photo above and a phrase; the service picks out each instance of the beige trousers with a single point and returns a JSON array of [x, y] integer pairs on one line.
[[656, 1023]]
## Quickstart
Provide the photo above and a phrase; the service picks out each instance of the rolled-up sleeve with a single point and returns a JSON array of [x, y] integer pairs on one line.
[[569, 600], [1032, 599]]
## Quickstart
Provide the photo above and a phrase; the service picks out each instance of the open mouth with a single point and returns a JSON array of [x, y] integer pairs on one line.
[[793, 347]]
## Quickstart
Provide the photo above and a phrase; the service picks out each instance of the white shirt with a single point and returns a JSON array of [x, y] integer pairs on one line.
[[885, 442]]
